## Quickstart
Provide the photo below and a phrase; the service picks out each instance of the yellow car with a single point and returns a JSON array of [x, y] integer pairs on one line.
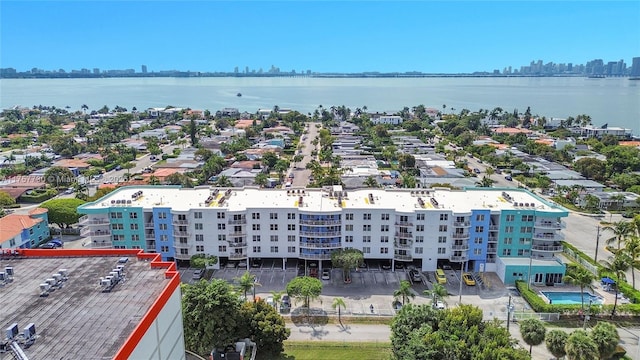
[[468, 279]]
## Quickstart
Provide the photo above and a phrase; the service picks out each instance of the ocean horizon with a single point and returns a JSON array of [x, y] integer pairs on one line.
[[611, 101]]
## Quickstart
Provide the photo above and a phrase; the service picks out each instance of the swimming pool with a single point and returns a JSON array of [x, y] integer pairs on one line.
[[571, 297]]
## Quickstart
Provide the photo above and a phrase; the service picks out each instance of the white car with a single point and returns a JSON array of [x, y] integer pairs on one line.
[[326, 274], [438, 305]]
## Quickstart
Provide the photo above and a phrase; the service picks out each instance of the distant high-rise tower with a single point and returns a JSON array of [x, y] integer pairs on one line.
[[635, 67], [144, 69]]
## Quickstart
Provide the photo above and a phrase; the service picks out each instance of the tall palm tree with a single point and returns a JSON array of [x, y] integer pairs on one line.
[[581, 277], [632, 249], [246, 283], [438, 292], [621, 230], [339, 303], [617, 264], [404, 292], [277, 297], [533, 332]]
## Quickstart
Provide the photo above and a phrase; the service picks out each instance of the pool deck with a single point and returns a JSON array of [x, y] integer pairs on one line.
[[608, 296]]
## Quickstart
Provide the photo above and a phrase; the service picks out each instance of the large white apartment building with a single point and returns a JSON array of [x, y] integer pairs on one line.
[[507, 231]]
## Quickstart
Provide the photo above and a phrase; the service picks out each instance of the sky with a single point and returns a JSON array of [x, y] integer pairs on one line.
[[321, 36]]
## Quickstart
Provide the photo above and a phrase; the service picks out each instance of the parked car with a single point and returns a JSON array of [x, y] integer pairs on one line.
[[69, 191], [508, 178], [197, 275], [285, 302], [498, 171], [476, 170], [468, 279], [326, 274], [415, 275], [242, 264], [399, 265], [256, 263], [386, 265], [438, 305]]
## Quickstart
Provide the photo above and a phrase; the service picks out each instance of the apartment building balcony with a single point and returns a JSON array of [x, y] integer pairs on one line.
[[494, 227], [548, 236], [546, 247], [321, 234], [238, 233], [90, 231], [462, 223], [181, 245], [151, 245], [237, 222], [180, 222], [460, 236], [86, 220], [179, 256], [492, 239], [320, 222], [549, 225], [462, 247], [403, 244], [238, 256], [150, 236], [149, 225], [404, 223], [404, 235], [237, 244], [459, 258], [543, 256], [320, 244], [492, 250], [304, 256], [401, 257], [180, 233]]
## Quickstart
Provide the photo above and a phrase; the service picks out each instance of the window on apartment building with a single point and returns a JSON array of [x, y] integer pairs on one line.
[[348, 227], [291, 249], [420, 217], [479, 229], [444, 217], [184, 251], [133, 215], [273, 216], [199, 248], [348, 238], [116, 215], [526, 229], [418, 250], [31, 231], [527, 218], [162, 215], [220, 215], [257, 249], [384, 228], [419, 238], [115, 226], [366, 238], [510, 217], [366, 250], [222, 248], [348, 216], [199, 237], [506, 252], [133, 226], [222, 237], [164, 237], [384, 250], [197, 215], [384, 239], [198, 226], [164, 249], [274, 249], [273, 227], [477, 251], [291, 227], [255, 216], [442, 228], [420, 228], [442, 250], [508, 241], [255, 227], [183, 240], [480, 217], [256, 238], [222, 226], [291, 216], [135, 237], [366, 216], [524, 241], [508, 229], [384, 217], [291, 238], [274, 238], [366, 227]]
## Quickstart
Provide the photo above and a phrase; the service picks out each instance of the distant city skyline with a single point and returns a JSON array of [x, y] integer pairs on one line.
[[321, 36]]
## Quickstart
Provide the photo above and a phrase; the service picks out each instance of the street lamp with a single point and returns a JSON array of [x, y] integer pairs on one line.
[[509, 312]]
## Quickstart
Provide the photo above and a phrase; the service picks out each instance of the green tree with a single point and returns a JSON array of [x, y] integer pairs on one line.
[[338, 302], [621, 230], [246, 282], [305, 288], [606, 337], [210, 314], [6, 199], [556, 341], [591, 168], [404, 292], [193, 132], [486, 182], [580, 346], [617, 264], [632, 249], [269, 159], [63, 212], [261, 179], [263, 325], [371, 182], [58, 176], [201, 261], [346, 259], [533, 332], [581, 277], [437, 292]]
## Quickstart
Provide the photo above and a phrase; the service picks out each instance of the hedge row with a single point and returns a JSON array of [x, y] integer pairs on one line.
[[38, 197]]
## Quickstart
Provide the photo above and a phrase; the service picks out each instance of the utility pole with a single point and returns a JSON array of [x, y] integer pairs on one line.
[[587, 316], [595, 258], [509, 313]]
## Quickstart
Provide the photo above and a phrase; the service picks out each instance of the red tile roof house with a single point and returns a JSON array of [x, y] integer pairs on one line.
[[24, 231]]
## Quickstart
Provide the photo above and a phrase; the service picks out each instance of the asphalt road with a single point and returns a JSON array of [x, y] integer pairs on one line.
[[301, 174]]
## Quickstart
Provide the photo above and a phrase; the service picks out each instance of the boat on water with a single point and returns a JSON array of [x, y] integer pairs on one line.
[[634, 78], [238, 94], [596, 76]]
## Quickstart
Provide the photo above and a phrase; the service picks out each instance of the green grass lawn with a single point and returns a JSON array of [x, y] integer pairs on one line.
[[327, 350]]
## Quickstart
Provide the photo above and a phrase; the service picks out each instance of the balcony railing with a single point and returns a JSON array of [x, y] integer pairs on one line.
[[314, 256], [179, 256], [462, 247], [494, 228], [151, 245], [404, 235], [321, 234], [149, 225], [86, 220], [238, 233], [460, 236], [548, 237], [237, 256], [97, 233], [320, 222], [492, 239], [492, 250], [325, 245], [180, 233], [404, 223], [401, 257], [550, 225], [180, 245], [461, 223], [550, 248], [237, 244], [459, 258], [238, 222], [180, 222], [151, 236], [403, 244]]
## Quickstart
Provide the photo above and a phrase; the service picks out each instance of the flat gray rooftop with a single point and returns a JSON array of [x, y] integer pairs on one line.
[[78, 321]]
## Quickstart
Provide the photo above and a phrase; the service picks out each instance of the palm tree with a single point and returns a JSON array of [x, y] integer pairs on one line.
[[370, 181], [580, 346], [618, 264], [632, 249], [223, 181], [438, 292], [153, 180], [581, 277], [533, 332], [486, 182], [556, 341], [84, 108], [277, 297], [404, 292], [246, 283], [338, 303], [261, 179], [621, 230]]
